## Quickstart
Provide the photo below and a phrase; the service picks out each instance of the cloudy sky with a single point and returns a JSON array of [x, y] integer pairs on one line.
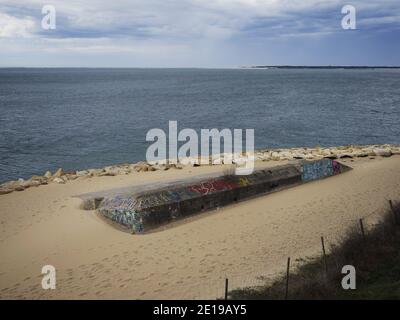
[[198, 33]]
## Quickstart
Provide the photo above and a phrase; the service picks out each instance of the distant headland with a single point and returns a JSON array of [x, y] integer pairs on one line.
[[318, 67]]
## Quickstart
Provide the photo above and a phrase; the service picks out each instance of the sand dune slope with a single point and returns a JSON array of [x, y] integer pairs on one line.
[[45, 225]]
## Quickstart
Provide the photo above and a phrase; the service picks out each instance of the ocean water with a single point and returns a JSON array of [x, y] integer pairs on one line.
[[87, 118]]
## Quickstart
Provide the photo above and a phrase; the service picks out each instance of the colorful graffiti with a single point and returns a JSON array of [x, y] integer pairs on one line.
[[337, 168], [243, 181], [140, 211], [212, 186], [132, 220], [121, 210], [320, 169]]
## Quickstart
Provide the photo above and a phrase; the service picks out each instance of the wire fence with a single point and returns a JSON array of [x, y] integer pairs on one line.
[[220, 286]]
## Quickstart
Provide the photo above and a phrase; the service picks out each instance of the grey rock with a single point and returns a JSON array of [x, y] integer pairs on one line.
[[382, 152]]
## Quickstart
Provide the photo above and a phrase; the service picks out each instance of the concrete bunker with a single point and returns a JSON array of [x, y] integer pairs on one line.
[[142, 210]]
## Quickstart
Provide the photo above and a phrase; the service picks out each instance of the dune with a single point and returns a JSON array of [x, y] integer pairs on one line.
[[190, 259]]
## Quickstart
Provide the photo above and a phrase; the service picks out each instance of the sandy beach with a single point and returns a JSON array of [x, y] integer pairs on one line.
[[94, 260]]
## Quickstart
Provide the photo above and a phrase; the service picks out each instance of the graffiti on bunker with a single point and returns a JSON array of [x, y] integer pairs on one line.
[[320, 169], [140, 212], [212, 186], [337, 168]]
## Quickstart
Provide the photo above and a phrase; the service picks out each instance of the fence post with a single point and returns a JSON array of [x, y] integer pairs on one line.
[[226, 289], [287, 278], [362, 229], [324, 253], [396, 220]]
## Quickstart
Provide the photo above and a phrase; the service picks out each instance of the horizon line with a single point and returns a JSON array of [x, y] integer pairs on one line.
[[258, 66]]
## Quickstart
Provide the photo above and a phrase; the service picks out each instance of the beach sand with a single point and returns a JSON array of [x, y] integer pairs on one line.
[[46, 226]]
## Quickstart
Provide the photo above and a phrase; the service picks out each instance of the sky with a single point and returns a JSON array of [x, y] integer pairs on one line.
[[198, 33]]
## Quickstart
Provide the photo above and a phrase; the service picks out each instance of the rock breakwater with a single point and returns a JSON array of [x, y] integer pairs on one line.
[[282, 154]]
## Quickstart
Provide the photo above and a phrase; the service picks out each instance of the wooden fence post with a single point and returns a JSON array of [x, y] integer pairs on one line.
[[362, 229], [287, 278], [226, 289], [324, 253], [395, 217]]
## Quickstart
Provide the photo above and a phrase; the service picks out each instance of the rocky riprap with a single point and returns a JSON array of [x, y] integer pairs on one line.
[[316, 153]]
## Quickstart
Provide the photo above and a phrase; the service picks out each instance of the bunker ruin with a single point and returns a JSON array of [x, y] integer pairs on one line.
[[145, 210]]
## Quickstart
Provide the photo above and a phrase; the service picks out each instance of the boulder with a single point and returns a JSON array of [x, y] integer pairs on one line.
[[345, 155], [185, 161], [160, 167], [115, 170], [299, 156], [128, 171], [71, 176], [171, 166], [286, 155], [39, 179], [9, 185], [332, 157], [48, 175], [5, 190], [239, 161], [194, 162], [258, 156], [109, 172], [17, 185], [360, 154], [204, 160], [143, 166], [82, 173], [58, 173], [95, 172], [396, 151], [59, 180], [275, 156], [326, 152], [218, 160], [31, 183], [382, 152]]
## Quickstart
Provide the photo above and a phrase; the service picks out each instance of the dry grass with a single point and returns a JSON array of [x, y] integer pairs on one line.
[[375, 257]]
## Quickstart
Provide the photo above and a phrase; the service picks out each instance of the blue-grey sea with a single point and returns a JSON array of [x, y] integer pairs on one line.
[[87, 118]]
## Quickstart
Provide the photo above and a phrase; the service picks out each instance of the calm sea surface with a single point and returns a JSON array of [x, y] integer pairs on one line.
[[87, 118]]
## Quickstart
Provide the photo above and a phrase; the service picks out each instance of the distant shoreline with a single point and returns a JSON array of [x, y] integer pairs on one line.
[[321, 67], [216, 68]]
